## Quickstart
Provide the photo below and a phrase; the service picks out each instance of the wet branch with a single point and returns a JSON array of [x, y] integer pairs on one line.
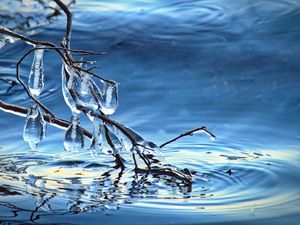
[[189, 133]]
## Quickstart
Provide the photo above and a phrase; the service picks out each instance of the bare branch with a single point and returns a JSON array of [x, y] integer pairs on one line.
[[191, 132]]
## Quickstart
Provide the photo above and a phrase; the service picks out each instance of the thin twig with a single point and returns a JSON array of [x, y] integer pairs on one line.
[[191, 132]]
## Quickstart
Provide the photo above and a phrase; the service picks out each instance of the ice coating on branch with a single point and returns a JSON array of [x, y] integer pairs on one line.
[[210, 135], [139, 139], [105, 141], [127, 144], [36, 75], [151, 148], [97, 138], [74, 140], [85, 84], [35, 126], [77, 90], [118, 145], [148, 147], [67, 79], [107, 96]]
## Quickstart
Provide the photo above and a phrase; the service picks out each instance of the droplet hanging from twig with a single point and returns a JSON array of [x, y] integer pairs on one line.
[[107, 96], [74, 140], [35, 126]]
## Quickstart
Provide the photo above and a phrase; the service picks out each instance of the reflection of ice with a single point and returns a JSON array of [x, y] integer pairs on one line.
[[65, 188]]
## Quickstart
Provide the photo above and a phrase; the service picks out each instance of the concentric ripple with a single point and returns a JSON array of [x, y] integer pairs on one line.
[[228, 185]]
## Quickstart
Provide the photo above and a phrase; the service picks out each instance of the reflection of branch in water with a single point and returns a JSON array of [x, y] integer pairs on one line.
[[76, 194], [39, 206]]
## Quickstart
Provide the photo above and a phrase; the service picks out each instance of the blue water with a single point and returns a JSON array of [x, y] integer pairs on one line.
[[232, 66]]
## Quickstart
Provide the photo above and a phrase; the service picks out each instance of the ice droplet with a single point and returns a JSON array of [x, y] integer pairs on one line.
[[118, 145], [111, 143], [97, 139], [126, 143], [74, 140], [151, 148], [210, 135], [107, 96], [67, 77], [36, 75], [77, 90], [35, 126], [139, 139]]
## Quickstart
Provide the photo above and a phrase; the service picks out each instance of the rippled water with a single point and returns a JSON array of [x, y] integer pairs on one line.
[[230, 65]]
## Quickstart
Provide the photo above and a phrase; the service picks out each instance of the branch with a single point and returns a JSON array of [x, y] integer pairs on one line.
[[21, 111], [68, 13], [191, 132]]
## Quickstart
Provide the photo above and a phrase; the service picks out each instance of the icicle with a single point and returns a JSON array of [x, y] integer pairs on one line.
[[74, 140], [35, 126], [118, 145], [81, 90], [105, 147], [85, 96], [126, 143], [149, 146], [67, 79], [97, 139], [107, 96], [139, 139], [85, 84], [36, 76]]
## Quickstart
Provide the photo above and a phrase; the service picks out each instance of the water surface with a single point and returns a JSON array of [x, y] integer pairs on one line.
[[232, 66]]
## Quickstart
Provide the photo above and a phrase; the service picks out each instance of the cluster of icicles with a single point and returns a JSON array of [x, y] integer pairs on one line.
[[79, 89]]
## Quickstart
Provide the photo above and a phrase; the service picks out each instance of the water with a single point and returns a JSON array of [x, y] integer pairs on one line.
[[230, 65]]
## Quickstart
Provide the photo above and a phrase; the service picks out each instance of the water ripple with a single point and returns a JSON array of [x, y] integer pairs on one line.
[[83, 186]]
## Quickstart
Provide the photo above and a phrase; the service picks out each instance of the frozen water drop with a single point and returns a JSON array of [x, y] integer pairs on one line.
[[97, 139], [151, 148], [35, 126], [77, 90], [85, 83], [74, 140], [95, 148], [67, 79], [211, 136], [118, 145], [36, 75], [107, 96], [137, 149], [139, 139], [126, 143]]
